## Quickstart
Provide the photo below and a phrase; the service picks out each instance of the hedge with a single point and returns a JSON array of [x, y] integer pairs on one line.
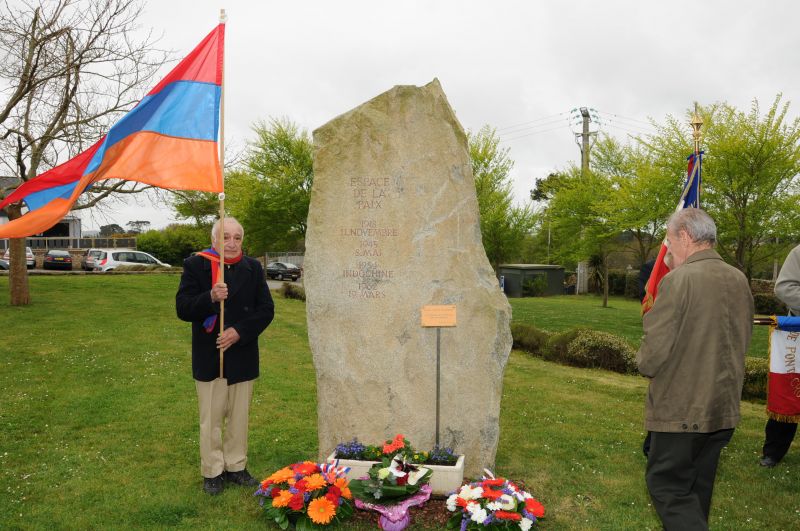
[[601, 350], [769, 304], [583, 347], [292, 291]]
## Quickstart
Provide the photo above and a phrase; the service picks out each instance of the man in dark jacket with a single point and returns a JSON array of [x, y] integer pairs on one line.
[[695, 339], [224, 397]]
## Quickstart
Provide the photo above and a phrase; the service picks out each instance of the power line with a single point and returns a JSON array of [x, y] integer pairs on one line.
[[616, 123], [628, 118], [627, 130], [536, 126], [532, 121], [534, 133]]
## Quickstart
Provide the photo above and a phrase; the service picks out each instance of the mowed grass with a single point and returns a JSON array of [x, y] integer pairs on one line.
[[622, 317], [99, 424]]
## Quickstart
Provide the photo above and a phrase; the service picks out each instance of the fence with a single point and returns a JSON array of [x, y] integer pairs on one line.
[[75, 243], [295, 258]]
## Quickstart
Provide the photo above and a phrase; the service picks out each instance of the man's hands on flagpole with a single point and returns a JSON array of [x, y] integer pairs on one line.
[[219, 292], [227, 338]]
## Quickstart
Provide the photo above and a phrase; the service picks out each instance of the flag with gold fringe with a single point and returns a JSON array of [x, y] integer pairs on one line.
[[783, 388]]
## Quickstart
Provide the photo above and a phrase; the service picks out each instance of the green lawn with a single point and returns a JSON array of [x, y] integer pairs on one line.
[[622, 317], [99, 419]]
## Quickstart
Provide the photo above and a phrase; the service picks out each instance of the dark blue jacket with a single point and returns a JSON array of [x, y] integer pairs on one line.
[[249, 309]]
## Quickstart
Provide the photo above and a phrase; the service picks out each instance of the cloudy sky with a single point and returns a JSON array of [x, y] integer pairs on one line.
[[519, 66]]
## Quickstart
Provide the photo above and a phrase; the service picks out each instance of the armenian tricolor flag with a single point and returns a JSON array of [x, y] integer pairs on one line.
[[168, 140], [690, 198]]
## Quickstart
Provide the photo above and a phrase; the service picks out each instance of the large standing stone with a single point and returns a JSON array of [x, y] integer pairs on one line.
[[393, 225]]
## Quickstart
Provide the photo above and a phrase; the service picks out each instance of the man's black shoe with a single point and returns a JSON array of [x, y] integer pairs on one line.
[[214, 486], [767, 461], [241, 477]]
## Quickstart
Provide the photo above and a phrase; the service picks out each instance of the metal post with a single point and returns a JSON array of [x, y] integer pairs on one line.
[[438, 378], [585, 142]]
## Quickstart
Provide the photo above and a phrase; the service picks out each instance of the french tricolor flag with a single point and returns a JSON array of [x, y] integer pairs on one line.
[[783, 391]]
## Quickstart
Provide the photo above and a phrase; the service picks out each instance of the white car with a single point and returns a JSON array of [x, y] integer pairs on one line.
[[109, 259], [29, 258]]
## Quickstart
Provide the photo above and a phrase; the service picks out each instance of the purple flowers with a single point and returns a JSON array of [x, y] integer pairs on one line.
[[350, 450], [442, 456]]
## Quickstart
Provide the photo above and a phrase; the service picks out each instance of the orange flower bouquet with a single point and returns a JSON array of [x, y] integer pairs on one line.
[[308, 495]]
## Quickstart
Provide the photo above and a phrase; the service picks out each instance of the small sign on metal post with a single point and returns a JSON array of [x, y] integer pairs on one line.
[[438, 316]]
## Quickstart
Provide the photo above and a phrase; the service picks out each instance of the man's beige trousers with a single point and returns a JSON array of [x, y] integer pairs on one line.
[[223, 408]]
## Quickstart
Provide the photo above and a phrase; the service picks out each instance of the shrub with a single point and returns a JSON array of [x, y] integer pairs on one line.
[[529, 338], [758, 285], [292, 291], [756, 371], [558, 344], [601, 350], [616, 282], [632, 284], [144, 267], [769, 304], [534, 287], [174, 243]]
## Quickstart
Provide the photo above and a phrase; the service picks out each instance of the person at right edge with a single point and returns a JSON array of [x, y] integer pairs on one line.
[[695, 339], [779, 435]]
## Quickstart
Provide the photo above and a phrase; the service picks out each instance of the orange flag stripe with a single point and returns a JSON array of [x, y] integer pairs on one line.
[[155, 159]]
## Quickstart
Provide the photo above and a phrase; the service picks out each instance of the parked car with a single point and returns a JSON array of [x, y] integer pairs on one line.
[[109, 259], [29, 258], [281, 270], [88, 259], [57, 259], [3, 265]]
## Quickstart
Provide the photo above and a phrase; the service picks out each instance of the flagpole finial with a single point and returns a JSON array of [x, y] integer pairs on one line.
[[696, 123], [223, 18]]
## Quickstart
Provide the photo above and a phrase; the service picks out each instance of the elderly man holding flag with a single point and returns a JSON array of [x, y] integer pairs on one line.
[[224, 395], [695, 339]]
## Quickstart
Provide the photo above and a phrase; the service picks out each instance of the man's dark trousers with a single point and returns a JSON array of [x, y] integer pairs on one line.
[[779, 437], [680, 476]]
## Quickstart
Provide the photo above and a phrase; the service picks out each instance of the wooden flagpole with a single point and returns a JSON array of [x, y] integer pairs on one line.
[[221, 231]]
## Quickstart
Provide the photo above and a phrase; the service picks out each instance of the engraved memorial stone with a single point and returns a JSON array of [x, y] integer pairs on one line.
[[393, 226]]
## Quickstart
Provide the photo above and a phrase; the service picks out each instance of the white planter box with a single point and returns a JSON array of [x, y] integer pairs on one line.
[[444, 480]]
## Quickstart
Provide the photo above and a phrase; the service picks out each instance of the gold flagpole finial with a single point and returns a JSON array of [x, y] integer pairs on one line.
[[223, 18], [696, 123]]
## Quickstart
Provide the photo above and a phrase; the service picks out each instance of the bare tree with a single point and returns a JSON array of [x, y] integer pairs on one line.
[[68, 70]]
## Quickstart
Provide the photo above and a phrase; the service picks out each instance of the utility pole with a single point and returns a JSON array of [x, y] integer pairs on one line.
[[584, 139], [585, 143]]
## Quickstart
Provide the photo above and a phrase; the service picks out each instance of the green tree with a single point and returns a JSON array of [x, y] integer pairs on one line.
[[581, 221], [273, 190], [503, 224], [175, 242], [642, 194], [200, 207], [110, 230], [68, 69], [750, 176]]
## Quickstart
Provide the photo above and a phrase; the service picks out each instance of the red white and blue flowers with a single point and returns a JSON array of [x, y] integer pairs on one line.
[[493, 503]]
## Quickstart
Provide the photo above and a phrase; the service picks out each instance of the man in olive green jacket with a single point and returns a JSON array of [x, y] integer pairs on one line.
[[695, 339]]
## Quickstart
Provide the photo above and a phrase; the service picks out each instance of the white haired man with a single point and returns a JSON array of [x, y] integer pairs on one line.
[[695, 339], [224, 401]]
